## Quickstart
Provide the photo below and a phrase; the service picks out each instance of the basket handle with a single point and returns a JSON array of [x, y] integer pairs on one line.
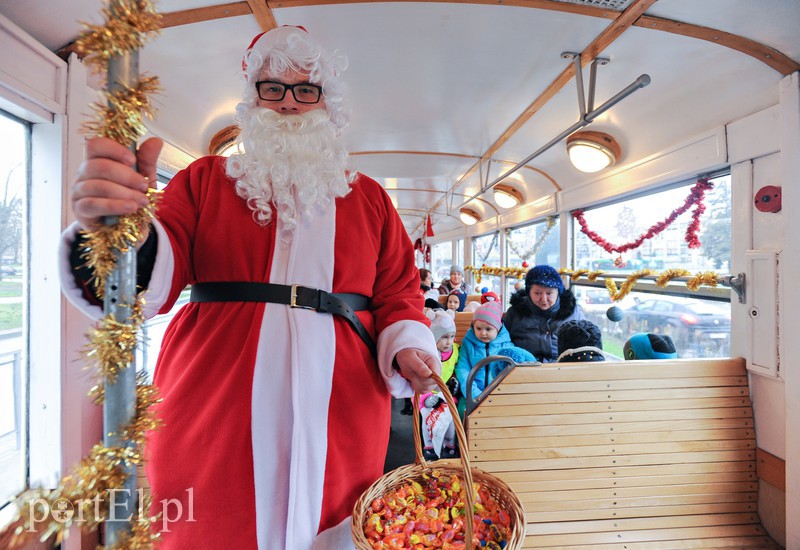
[[469, 508]]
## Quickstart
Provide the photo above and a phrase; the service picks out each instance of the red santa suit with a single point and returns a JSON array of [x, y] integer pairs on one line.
[[275, 419]]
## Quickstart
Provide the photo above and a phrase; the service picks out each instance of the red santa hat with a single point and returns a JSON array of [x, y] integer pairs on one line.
[[290, 47]]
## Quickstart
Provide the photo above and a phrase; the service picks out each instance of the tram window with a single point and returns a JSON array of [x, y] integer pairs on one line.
[[441, 260], [152, 335], [535, 243], [699, 326], [14, 170], [153, 329], [486, 250], [623, 222], [459, 257]]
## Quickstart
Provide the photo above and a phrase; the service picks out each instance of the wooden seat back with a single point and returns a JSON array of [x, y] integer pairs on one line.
[[463, 321], [626, 455]]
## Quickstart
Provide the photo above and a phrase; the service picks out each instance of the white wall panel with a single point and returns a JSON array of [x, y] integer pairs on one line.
[[31, 76]]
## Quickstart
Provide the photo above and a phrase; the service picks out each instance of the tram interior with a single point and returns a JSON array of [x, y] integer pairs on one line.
[[462, 111]]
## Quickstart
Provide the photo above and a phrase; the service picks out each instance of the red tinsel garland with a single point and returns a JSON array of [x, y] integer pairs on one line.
[[695, 198]]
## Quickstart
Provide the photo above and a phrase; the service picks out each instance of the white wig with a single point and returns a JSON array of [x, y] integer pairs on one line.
[[289, 47]]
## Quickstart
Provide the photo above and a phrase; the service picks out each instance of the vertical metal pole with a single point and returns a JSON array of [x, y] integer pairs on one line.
[[119, 406], [592, 84], [579, 81]]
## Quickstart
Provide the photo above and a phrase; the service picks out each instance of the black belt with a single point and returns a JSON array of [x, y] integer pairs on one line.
[[341, 304]]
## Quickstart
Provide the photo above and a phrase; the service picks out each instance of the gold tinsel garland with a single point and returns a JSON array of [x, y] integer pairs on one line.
[[83, 491], [626, 286], [708, 278], [128, 25], [112, 344], [575, 275], [101, 244], [517, 272], [121, 117]]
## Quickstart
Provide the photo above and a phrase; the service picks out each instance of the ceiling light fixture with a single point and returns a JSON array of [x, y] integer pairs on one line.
[[506, 196], [224, 142], [469, 216], [592, 151]]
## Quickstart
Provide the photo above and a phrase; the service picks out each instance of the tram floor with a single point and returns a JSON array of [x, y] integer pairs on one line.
[[401, 439]]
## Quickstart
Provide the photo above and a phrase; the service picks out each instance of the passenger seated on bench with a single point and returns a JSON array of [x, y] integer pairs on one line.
[[646, 345], [536, 312], [455, 282], [579, 342], [486, 337], [431, 304], [438, 429], [456, 301]]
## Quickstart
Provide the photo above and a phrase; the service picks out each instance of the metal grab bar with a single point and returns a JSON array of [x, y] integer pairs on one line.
[[472, 403]]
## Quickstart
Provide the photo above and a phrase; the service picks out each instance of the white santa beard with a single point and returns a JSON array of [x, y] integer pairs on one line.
[[294, 161]]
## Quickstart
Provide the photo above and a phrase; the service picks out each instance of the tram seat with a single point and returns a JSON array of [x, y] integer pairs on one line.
[[463, 322], [625, 455]]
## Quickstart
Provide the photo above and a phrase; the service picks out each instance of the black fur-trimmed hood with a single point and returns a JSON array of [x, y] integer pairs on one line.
[[521, 302]]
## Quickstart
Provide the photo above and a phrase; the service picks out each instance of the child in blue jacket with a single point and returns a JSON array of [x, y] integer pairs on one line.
[[486, 337]]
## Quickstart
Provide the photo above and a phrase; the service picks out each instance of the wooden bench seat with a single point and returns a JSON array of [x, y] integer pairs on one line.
[[463, 322], [625, 455]]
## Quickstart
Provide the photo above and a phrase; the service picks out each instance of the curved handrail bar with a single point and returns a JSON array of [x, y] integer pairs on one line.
[[472, 404]]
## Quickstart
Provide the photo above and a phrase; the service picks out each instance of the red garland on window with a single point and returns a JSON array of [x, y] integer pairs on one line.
[[695, 198]]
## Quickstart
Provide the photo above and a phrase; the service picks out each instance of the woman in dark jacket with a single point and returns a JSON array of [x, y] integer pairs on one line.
[[536, 312]]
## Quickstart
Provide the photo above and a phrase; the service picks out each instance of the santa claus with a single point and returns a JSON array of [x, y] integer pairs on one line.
[[276, 417]]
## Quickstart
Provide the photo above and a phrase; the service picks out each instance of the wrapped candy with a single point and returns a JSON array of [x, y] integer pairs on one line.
[[428, 514]]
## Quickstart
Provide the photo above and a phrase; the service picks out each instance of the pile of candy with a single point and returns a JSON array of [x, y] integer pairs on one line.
[[430, 514]]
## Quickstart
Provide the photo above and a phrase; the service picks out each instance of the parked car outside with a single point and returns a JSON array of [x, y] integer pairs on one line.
[[595, 303], [698, 328], [7, 270]]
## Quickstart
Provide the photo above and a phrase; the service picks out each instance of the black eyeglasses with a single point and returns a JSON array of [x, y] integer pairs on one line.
[[304, 92]]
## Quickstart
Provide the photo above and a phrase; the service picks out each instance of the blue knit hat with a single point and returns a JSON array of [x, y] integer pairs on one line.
[[544, 275], [645, 345]]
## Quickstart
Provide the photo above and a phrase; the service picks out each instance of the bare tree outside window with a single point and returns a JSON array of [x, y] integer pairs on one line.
[[14, 138], [10, 225]]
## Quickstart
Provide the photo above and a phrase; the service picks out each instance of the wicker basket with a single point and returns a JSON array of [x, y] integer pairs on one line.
[[501, 492]]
